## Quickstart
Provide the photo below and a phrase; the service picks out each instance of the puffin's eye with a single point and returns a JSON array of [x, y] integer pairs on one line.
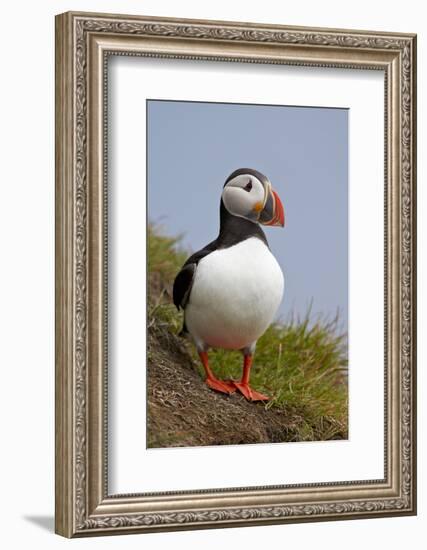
[[248, 186]]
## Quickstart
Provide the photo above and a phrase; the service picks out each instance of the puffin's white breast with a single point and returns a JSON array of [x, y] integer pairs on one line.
[[235, 295]]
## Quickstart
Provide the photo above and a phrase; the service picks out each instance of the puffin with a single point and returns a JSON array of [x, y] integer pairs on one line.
[[231, 289]]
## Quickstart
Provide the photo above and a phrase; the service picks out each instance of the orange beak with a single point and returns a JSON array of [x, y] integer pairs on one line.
[[273, 212], [278, 212]]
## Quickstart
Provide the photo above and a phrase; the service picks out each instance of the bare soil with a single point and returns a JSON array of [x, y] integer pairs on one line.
[[184, 412]]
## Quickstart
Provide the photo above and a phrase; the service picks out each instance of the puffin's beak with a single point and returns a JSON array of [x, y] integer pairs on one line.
[[273, 212]]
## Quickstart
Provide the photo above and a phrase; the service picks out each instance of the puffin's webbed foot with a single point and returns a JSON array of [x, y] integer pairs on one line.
[[243, 386], [249, 393], [211, 380], [220, 385]]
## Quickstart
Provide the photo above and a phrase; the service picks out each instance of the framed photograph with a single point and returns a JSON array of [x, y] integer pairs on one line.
[[235, 274]]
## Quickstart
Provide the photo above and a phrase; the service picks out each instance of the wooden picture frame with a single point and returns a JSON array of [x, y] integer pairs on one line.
[[83, 43]]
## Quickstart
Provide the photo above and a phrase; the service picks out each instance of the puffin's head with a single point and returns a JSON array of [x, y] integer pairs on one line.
[[248, 194]]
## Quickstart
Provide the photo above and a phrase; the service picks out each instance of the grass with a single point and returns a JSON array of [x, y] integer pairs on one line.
[[301, 365]]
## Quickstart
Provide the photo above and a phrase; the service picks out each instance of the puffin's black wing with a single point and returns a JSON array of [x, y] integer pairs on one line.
[[184, 280], [182, 285]]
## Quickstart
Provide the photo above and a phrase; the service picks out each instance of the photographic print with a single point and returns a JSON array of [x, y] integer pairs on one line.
[[247, 249]]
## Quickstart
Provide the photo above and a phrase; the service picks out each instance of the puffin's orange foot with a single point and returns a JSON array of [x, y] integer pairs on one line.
[[249, 393], [220, 385]]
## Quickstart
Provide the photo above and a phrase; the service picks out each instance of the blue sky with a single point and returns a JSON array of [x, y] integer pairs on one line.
[[193, 147]]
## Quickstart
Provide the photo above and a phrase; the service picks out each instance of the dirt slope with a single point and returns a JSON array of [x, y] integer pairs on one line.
[[183, 411]]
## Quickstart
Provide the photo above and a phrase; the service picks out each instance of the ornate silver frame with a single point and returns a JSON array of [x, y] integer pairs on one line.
[[83, 41]]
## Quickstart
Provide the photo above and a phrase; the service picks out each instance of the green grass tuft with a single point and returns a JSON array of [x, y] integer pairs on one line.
[[165, 257], [301, 365]]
